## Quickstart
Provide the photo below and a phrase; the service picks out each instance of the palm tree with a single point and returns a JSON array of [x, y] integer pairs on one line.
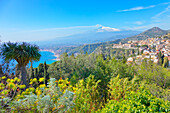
[[23, 53]]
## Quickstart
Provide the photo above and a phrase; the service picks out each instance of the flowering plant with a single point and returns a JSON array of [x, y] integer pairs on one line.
[[51, 98]]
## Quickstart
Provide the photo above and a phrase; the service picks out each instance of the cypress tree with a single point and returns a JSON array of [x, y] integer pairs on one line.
[[165, 64], [86, 53], [46, 75], [36, 73], [138, 52], [124, 59], [72, 55], [41, 70], [160, 58]]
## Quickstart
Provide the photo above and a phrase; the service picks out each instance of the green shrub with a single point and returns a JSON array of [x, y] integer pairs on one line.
[[43, 99]]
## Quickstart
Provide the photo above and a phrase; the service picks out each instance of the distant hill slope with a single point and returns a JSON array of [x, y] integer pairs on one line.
[[89, 48], [153, 32]]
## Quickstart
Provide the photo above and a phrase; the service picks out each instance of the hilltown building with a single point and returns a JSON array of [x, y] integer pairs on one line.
[[149, 48]]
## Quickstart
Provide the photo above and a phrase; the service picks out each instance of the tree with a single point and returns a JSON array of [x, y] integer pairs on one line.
[[138, 52], [36, 73], [1, 72], [46, 75], [160, 58], [124, 59], [165, 64], [23, 53], [133, 51], [40, 70], [72, 55]]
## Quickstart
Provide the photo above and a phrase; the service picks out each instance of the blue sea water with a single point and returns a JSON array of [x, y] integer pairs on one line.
[[47, 57]]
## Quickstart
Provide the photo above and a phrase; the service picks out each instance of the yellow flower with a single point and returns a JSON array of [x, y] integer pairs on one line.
[[34, 80], [18, 80], [4, 77], [4, 92], [27, 90], [68, 82], [21, 97], [12, 80], [31, 82], [11, 85], [15, 79], [36, 102], [31, 89], [42, 85], [8, 80], [53, 108], [64, 91], [22, 86], [38, 93], [24, 93], [41, 79], [75, 89]]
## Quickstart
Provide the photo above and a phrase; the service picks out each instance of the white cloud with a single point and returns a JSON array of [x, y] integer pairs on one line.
[[138, 22], [137, 28], [164, 25], [142, 7], [43, 34], [65, 28], [109, 29], [137, 8], [162, 12]]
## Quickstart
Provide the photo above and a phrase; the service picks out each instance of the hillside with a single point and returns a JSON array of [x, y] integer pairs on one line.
[[153, 32], [89, 48]]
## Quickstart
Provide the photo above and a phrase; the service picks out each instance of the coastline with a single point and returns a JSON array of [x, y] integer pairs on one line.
[[55, 54]]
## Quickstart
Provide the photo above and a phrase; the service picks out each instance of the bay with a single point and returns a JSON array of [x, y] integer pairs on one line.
[[46, 56]]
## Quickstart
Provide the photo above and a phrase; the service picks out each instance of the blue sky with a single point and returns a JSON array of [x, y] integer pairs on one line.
[[33, 20]]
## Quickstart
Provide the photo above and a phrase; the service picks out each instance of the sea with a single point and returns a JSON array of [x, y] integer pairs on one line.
[[46, 56]]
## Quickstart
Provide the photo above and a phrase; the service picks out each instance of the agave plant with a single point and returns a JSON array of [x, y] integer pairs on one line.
[[23, 53]]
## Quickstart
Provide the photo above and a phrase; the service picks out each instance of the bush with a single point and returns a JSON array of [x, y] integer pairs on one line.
[[135, 102], [50, 98], [87, 96]]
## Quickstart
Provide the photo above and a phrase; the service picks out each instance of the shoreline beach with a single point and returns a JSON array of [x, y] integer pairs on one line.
[[55, 55]]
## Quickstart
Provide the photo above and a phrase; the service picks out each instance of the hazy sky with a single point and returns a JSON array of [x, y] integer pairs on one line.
[[30, 20]]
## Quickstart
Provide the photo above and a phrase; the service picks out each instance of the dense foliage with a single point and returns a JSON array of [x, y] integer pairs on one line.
[[88, 83], [105, 84]]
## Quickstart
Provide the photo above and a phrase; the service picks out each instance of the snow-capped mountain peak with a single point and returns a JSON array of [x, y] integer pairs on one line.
[[107, 29]]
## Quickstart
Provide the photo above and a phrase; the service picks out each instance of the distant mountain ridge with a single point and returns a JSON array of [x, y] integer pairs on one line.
[[102, 34], [153, 32]]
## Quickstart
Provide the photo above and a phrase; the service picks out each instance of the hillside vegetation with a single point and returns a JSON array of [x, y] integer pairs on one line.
[[85, 83], [153, 32]]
